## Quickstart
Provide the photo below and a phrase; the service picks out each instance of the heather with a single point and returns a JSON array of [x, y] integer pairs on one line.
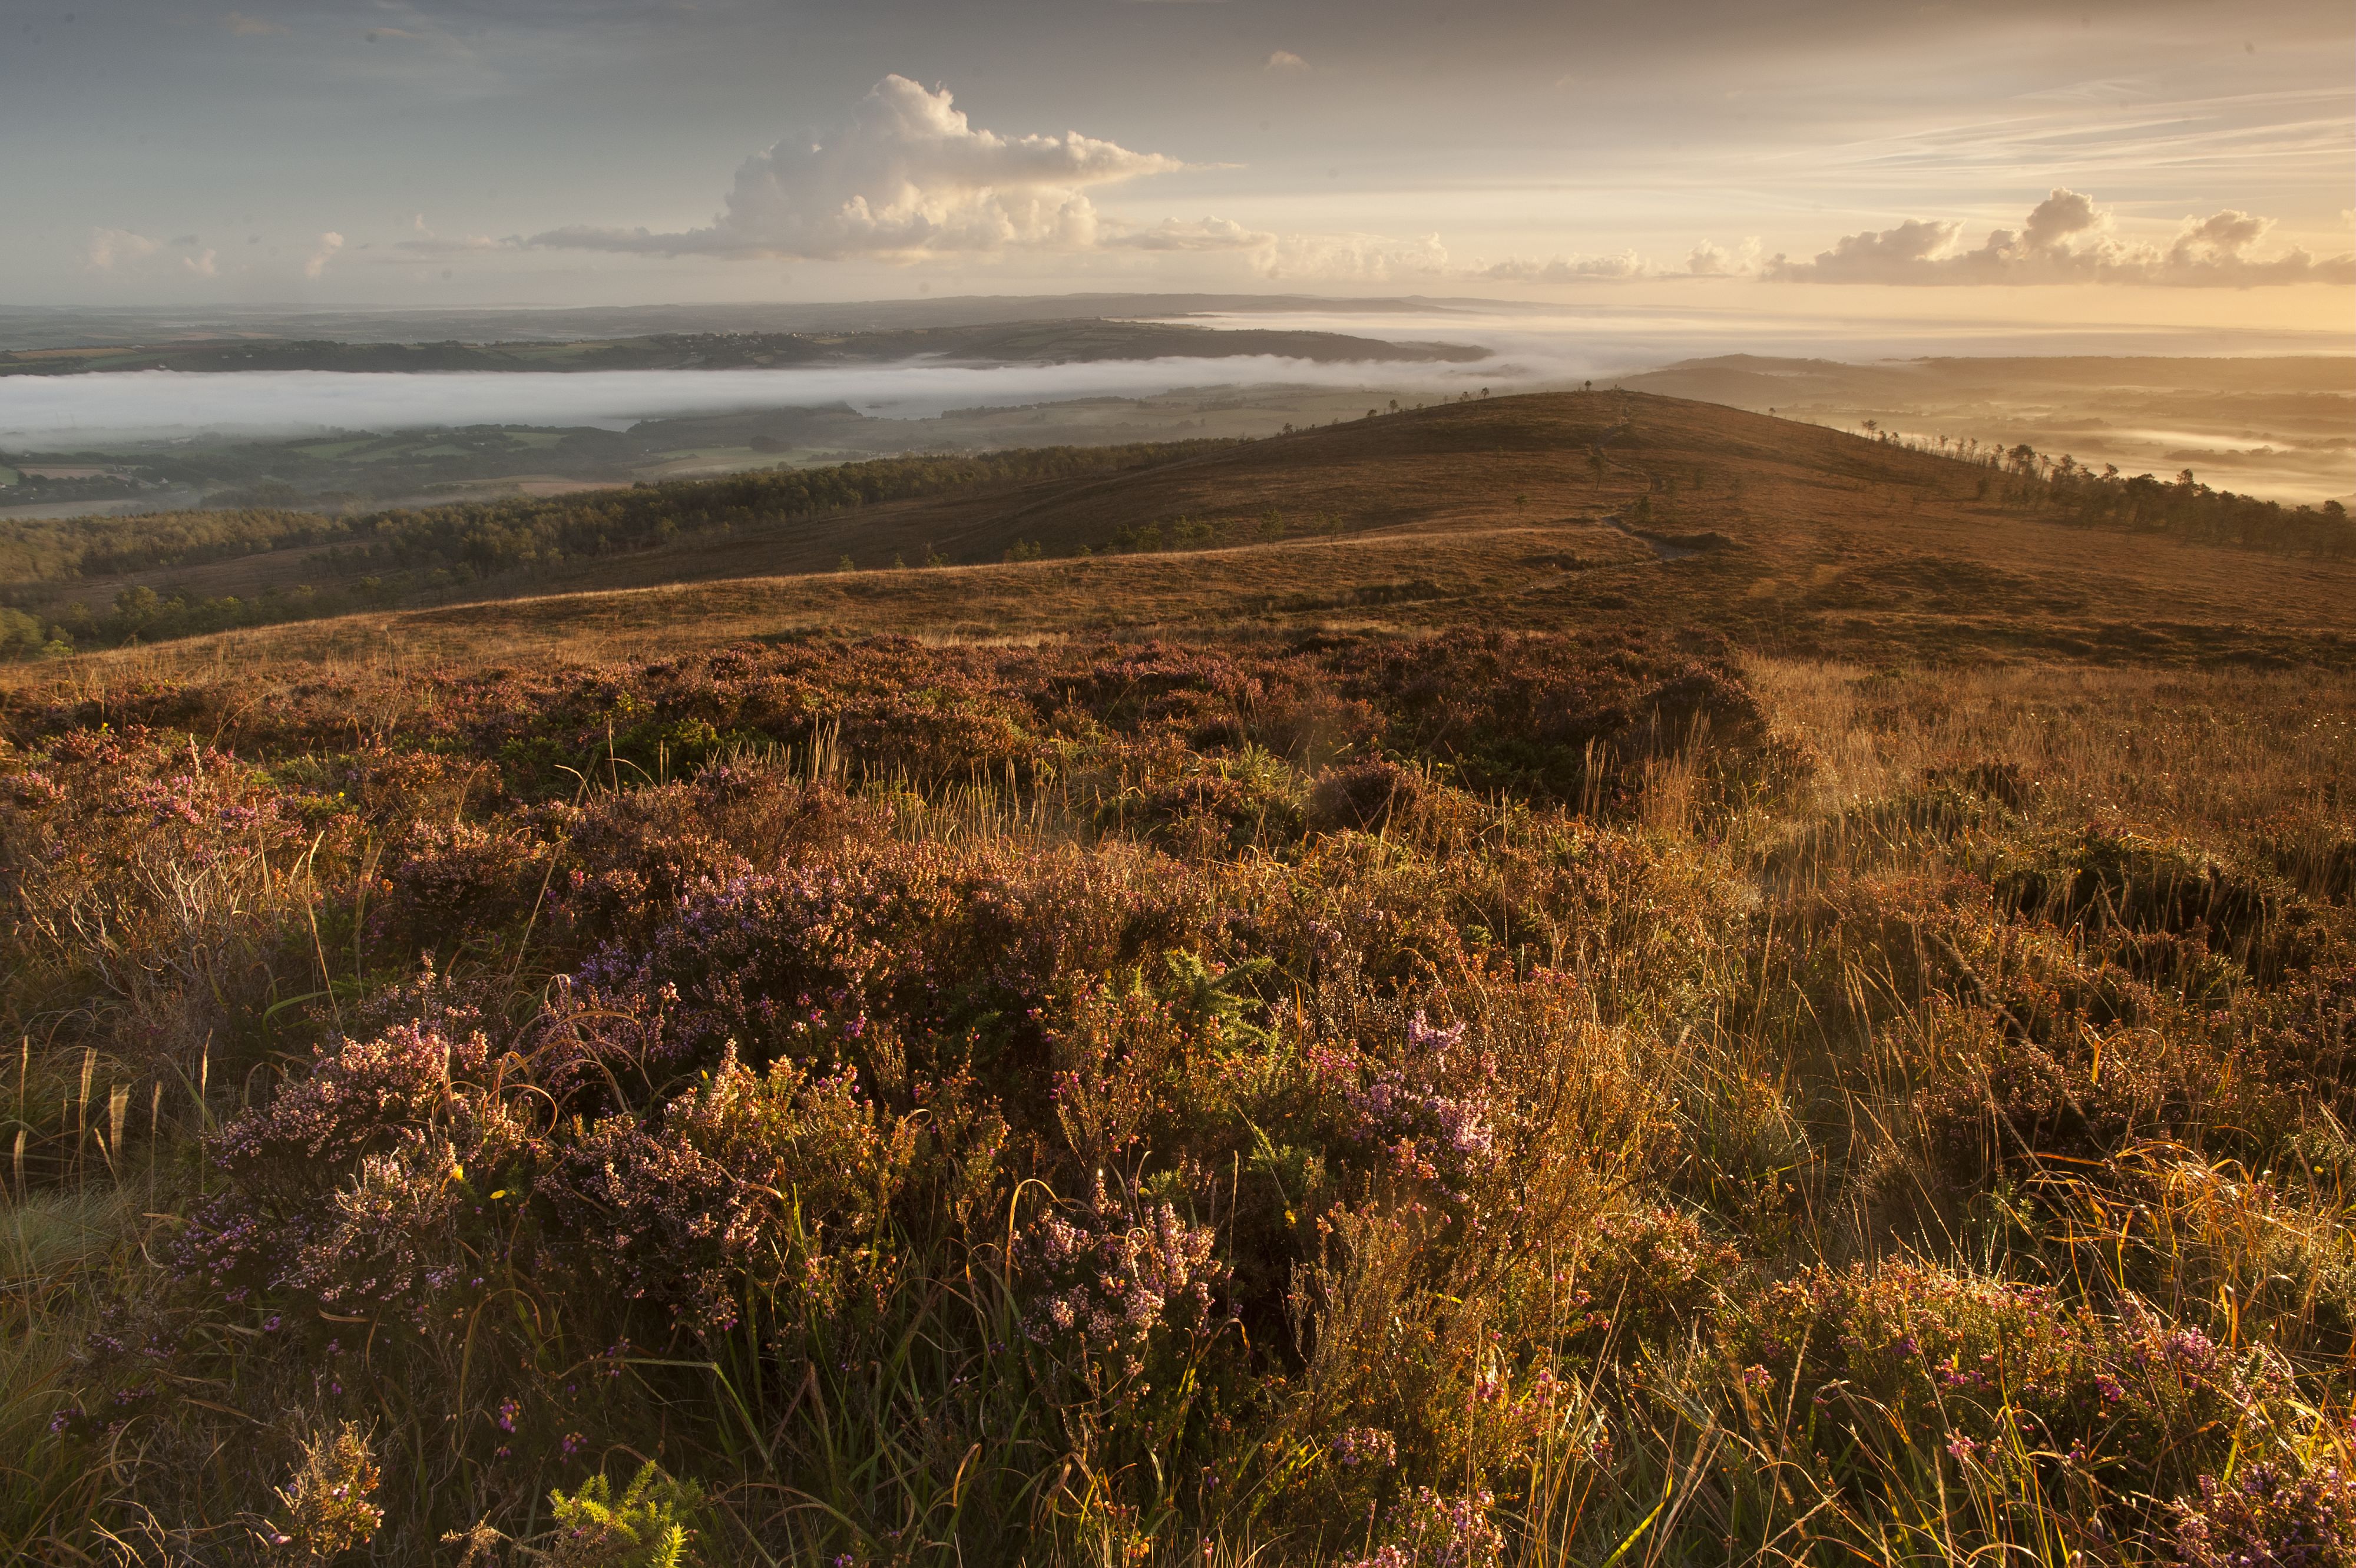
[[1346, 1097]]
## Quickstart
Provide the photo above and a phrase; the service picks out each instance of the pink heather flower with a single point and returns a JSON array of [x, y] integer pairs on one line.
[[1115, 1277]]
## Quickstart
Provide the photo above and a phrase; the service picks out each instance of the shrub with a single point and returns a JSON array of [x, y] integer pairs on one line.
[[2271, 1516], [325, 1506], [1015, 1104], [772, 1187], [1365, 796]]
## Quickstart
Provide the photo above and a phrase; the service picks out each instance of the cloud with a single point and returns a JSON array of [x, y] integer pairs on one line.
[[465, 246], [908, 176], [2066, 239], [329, 243], [1707, 261], [1569, 269], [1888, 255], [433, 244], [1201, 234], [112, 248], [1369, 256], [122, 250], [246, 26], [1285, 60]]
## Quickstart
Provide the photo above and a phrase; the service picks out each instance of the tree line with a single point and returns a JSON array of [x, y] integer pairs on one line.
[[377, 558], [2181, 508]]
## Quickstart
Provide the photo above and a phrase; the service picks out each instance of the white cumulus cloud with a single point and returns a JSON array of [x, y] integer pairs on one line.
[[907, 175], [112, 248], [1709, 260], [2066, 239], [316, 263]]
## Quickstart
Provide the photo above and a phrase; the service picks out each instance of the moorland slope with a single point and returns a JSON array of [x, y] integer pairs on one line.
[[1661, 986], [1612, 510]]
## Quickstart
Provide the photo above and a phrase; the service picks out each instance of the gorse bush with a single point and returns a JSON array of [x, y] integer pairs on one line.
[[1148, 1101], [641, 1529]]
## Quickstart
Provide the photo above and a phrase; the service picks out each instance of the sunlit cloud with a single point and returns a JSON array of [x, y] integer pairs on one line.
[[1569, 269], [1707, 260], [908, 175], [1368, 257], [432, 244], [125, 251], [246, 26], [316, 262], [111, 248], [2066, 239], [2289, 134], [1200, 235]]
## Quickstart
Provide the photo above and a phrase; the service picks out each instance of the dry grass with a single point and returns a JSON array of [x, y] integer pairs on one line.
[[1890, 1107], [2204, 752]]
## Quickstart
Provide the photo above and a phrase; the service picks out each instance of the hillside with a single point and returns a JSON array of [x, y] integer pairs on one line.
[[1792, 526], [1538, 512], [1568, 979]]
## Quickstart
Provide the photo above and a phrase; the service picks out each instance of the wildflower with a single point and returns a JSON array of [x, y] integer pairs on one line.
[[1113, 1279], [1366, 1445], [1438, 1531]]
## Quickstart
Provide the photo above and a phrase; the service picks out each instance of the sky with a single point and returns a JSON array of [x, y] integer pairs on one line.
[[2170, 162]]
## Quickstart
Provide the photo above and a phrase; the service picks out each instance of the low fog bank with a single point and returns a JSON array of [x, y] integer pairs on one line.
[[2279, 428], [67, 411], [2261, 414]]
